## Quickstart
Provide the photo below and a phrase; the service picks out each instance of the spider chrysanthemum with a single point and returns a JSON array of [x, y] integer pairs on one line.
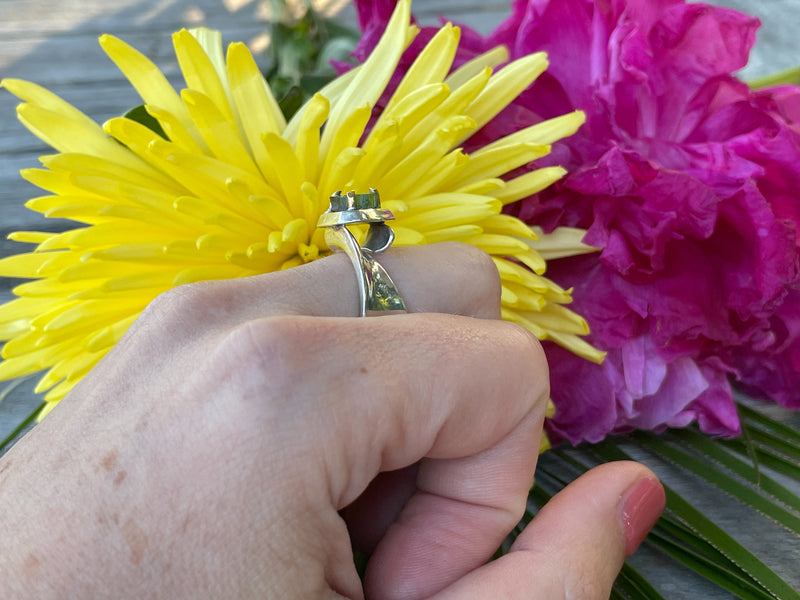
[[229, 189]]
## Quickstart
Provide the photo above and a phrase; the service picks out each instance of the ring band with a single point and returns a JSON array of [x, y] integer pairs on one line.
[[377, 292]]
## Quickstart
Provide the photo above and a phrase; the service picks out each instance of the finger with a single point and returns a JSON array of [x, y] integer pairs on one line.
[[576, 545], [445, 278], [374, 406], [459, 516]]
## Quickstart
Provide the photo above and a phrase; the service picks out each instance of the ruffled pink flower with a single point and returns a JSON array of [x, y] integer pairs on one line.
[[689, 182]]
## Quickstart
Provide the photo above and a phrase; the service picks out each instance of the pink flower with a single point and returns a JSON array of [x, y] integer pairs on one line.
[[689, 182]]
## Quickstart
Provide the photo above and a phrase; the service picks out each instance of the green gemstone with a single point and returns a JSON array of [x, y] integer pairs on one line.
[[360, 201]]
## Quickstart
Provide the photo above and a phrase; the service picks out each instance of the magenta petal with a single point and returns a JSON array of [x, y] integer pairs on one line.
[[714, 410], [644, 371], [585, 412], [682, 384], [773, 371]]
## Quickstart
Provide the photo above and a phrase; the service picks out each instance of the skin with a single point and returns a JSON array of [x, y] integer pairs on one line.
[[242, 431]]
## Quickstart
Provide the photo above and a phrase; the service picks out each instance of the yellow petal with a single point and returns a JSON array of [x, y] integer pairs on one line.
[[506, 85], [407, 113], [332, 90], [414, 167], [350, 131], [252, 96], [87, 165], [200, 73], [288, 169], [110, 335], [22, 265], [528, 184], [147, 79], [30, 237], [454, 104], [490, 164], [577, 346], [188, 141], [489, 59], [370, 80], [561, 242], [507, 225], [453, 162], [219, 133], [307, 144], [452, 234], [546, 132], [49, 102], [431, 65]]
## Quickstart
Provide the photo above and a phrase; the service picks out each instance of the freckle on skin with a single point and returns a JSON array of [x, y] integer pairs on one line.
[[363, 370], [120, 477], [109, 460], [136, 539], [32, 563], [185, 525]]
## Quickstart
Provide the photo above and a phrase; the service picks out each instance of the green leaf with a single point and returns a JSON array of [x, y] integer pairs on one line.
[[6, 443], [753, 418], [632, 585], [767, 457], [141, 116], [339, 48], [787, 77], [716, 451], [724, 482], [299, 54], [748, 566], [705, 560], [291, 101]]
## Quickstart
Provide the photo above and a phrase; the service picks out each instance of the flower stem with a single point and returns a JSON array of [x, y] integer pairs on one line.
[[787, 77]]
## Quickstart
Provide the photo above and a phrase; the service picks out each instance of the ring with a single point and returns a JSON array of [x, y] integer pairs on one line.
[[376, 290]]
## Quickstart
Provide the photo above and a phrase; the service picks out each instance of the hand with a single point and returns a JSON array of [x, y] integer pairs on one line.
[[231, 441]]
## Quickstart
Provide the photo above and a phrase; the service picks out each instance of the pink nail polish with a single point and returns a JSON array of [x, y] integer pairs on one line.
[[641, 505]]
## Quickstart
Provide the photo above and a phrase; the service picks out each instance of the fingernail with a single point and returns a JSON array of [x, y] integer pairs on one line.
[[642, 504]]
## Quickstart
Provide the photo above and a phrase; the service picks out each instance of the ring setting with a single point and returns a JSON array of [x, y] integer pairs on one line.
[[378, 294]]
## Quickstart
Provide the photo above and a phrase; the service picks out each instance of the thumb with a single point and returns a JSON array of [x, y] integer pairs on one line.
[[576, 545]]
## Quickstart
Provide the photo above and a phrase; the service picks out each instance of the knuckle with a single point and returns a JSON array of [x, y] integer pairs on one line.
[[530, 355], [276, 347], [179, 302], [480, 275]]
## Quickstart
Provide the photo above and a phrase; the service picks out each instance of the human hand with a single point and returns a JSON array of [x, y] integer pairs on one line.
[[212, 452]]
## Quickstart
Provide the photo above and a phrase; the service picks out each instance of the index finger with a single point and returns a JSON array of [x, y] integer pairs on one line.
[[442, 278]]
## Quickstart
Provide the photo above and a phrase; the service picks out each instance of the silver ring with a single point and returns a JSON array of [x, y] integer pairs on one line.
[[377, 292]]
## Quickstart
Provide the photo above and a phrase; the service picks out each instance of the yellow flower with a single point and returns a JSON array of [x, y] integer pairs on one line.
[[233, 190]]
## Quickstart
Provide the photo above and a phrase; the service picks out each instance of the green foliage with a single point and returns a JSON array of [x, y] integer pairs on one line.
[[787, 77], [25, 424], [300, 52], [141, 116], [684, 534]]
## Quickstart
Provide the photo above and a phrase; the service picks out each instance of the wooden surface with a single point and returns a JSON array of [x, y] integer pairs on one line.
[[54, 43]]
